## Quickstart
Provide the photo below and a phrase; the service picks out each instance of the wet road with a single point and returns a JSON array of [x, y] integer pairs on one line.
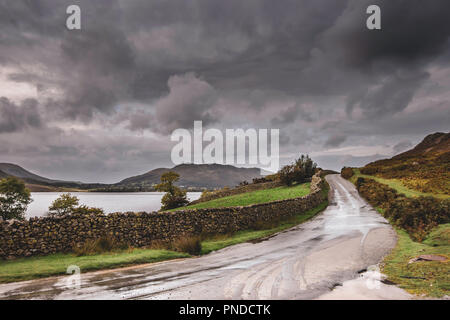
[[304, 262]]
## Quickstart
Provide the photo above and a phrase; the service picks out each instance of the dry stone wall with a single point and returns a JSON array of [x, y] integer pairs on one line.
[[46, 235]]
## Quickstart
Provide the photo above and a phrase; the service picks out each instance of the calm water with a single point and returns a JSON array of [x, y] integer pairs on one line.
[[108, 201]]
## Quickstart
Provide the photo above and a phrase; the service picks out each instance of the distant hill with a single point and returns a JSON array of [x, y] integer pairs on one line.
[[33, 181], [198, 175], [426, 167], [3, 175], [16, 171]]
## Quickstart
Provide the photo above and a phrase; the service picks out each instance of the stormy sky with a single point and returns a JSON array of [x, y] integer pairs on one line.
[[99, 104]]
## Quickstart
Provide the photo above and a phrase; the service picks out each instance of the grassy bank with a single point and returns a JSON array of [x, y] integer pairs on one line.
[[431, 278], [397, 185], [254, 197], [56, 264]]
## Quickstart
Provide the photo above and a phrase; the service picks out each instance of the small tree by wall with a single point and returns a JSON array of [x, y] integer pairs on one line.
[[300, 171], [174, 197], [65, 204], [14, 198]]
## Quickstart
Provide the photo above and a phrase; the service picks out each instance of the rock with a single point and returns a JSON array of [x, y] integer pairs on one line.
[[428, 257]]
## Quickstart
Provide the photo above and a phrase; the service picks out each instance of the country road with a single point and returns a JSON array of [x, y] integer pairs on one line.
[[305, 262]]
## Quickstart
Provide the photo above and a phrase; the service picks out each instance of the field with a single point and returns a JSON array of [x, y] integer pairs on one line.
[[56, 264], [254, 197], [431, 278]]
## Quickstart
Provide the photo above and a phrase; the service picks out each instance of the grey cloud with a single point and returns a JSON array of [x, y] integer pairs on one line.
[[189, 99], [335, 140], [402, 146], [228, 63], [390, 95], [18, 117], [290, 115]]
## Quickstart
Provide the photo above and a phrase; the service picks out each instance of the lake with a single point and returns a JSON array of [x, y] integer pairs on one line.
[[108, 201]]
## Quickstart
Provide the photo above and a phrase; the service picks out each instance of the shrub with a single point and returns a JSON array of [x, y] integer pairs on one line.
[[273, 177], [191, 245], [415, 215], [174, 197], [65, 204], [259, 180], [97, 246], [346, 172], [85, 210], [14, 198], [418, 215], [300, 171]]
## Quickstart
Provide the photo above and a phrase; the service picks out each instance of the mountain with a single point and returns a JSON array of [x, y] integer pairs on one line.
[[33, 181], [16, 171], [425, 168], [3, 175], [198, 175], [433, 144]]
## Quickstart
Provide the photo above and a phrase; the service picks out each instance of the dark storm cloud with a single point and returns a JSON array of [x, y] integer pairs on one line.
[[309, 67], [129, 49], [18, 117], [335, 140]]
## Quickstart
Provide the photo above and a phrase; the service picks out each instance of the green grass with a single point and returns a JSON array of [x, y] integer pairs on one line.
[[431, 278], [56, 264], [254, 197], [397, 185], [248, 235]]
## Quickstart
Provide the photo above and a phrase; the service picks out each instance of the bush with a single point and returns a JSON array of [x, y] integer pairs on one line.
[[415, 215], [174, 197], [300, 171], [85, 210], [174, 200], [191, 245], [97, 246], [259, 180], [418, 215], [14, 198], [67, 204], [346, 172]]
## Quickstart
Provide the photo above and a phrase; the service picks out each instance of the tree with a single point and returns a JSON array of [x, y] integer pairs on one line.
[[174, 197], [300, 171], [65, 204], [14, 198]]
